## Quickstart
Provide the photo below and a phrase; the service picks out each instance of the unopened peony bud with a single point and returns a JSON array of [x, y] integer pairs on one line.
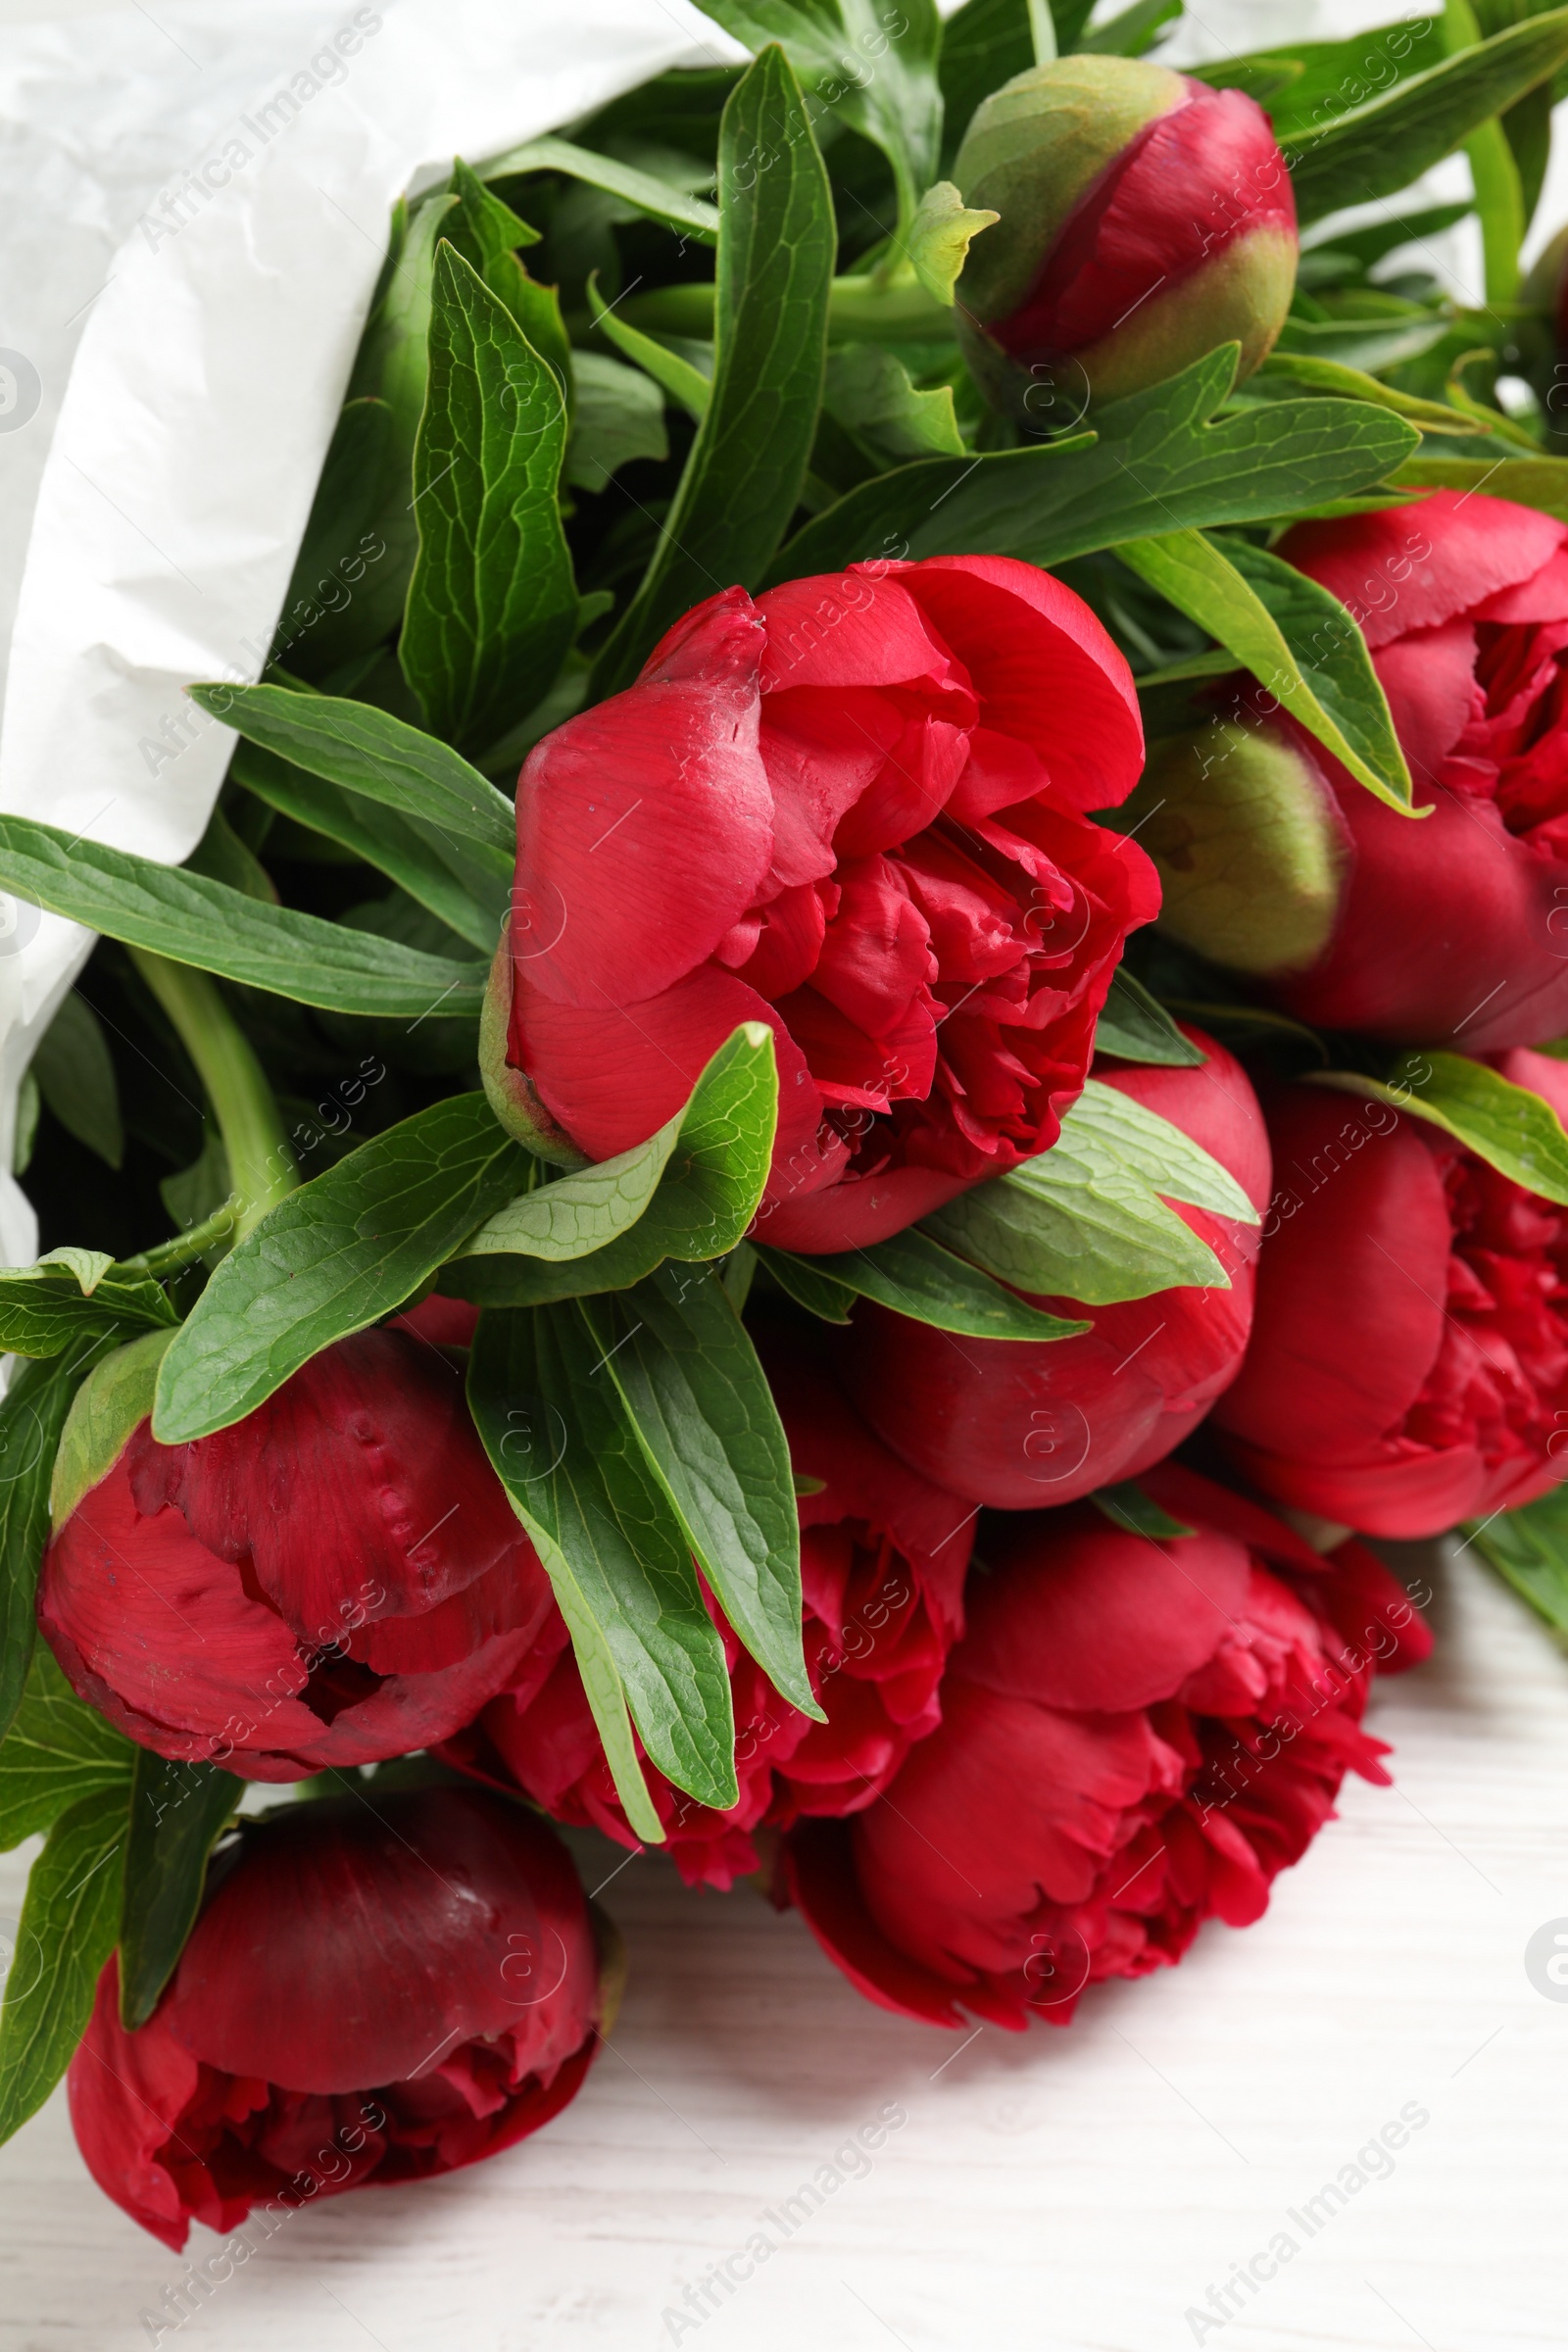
[[373, 1991], [1249, 843], [1143, 218]]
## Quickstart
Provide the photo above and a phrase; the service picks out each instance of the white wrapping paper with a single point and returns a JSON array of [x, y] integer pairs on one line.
[[197, 209]]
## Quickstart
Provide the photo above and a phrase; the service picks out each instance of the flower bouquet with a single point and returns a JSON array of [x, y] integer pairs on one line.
[[867, 1049]]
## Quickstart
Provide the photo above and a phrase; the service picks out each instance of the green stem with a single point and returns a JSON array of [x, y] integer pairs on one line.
[[167, 1258], [260, 1165], [858, 308]]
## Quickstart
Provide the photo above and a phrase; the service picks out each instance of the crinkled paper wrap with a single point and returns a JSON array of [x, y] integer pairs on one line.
[[198, 209]]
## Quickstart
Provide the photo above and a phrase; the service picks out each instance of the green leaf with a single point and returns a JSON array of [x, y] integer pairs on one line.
[[1296, 638], [380, 758], [115, 1396], [1364, 344], [348, 585], [940, 236], [1376, 239], [1153, 463], [700, 1404], [494, 228], [656, 197], [916, 1276], [1329, 377], [70, 1919], [76, 1078], [1375, 149], [1127, 1506], [393, 365], [493, 604], [70, 1293], [690, 1192], [798, 1279], [685, 384], [191, 920], [33, 1414], [620, 418], [222, 857], [1262, 80], [176, 1812], [1540, 483], [869, 393], [57, 1751], [1136, 1026], [882, 82], [1324, 79], [559, 1439], [983, 45], [1529, 1548], [1087, 1220], [444, 872], [743, 475], [28, 1104], [343, 1251], [1133, 31], [1506, 1125]]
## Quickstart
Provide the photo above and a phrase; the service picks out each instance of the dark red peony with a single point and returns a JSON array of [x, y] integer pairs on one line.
[[373, 1993], [336, 1579], [882, 1559], [1135, 1736], [1020, 1424], [1448, 929], [1409, 1356], [856, 809]]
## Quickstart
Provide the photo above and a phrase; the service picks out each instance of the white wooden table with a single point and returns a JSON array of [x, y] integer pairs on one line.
[[1069, 2191]]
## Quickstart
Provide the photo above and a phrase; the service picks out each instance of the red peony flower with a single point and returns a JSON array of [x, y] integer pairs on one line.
[[855, 809], [1409, 1355], [1135, 1735], [882, 1559], [336, 1579], [1020, 1423], [1446, 929], [374, 1992], [1143, 218]]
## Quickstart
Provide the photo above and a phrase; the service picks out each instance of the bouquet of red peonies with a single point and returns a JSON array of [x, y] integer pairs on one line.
[[866, 1064]]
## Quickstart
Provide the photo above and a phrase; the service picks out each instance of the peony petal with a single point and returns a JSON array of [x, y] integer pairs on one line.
[[410, 1919], [1360, 1216], [1080, 1615], [1016, 627], [1411, 567], [853, 628], [160, 1632], [359, 1491], [613, 1073], [645, 825], [820, 1875], [1428, 678]]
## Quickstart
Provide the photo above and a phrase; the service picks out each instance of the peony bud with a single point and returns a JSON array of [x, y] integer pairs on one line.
[[373, 1992], [1248, 841], [1410, 1361], [1448, 928], [336, 1579], [1145, 218], [1022, 1423]]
